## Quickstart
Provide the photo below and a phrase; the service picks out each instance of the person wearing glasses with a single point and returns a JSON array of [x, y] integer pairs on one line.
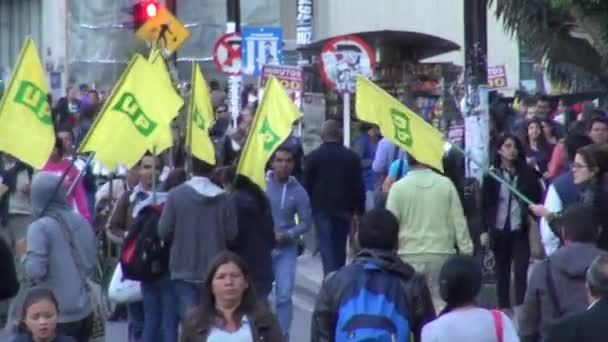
[[590, 172]]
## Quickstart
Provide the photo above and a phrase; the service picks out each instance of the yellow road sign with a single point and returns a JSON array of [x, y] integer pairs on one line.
[[165, 30]]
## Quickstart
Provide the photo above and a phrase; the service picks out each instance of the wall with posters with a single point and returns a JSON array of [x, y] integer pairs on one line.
[[338, 17]]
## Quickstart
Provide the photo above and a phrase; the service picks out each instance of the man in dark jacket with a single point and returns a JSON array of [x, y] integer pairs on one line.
[[336, 191], [377, 264], [590, 325], [557, 285]]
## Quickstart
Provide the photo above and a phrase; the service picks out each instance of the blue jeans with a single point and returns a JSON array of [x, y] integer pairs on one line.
[[284, 265], [135, 313], [160, 312], [332, 233], [188, 296]]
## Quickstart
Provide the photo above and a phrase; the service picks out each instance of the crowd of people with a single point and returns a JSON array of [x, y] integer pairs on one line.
[[223, 244]]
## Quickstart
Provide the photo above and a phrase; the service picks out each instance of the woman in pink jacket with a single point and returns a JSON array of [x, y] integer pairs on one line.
[[58, 165]]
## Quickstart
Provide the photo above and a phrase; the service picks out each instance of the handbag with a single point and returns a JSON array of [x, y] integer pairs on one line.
[[123, 291], [98, 327]]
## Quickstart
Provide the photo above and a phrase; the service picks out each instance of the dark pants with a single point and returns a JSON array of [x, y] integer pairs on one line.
[[511, 249], [80, 330], [332, 233]]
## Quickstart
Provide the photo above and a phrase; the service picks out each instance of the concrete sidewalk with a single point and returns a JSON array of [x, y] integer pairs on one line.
[[309, 275]]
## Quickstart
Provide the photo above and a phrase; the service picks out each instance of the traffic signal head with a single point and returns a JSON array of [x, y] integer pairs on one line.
[[143, 10]]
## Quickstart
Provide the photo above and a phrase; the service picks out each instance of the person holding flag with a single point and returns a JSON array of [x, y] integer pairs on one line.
[[426, 203]]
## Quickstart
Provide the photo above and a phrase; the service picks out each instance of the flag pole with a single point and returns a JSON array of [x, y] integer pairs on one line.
[[154, 182], [81, 173], [491, 173]]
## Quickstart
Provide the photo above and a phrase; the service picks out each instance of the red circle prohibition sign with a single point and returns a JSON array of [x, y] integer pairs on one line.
[[227, 53]]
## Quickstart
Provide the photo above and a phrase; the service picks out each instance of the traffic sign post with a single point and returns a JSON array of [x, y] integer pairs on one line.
[[227, 58], [227, 53], [342, 59], [165, 31], [261, 46]]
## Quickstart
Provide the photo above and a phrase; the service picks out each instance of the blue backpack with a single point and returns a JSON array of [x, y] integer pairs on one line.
[[374, 308]]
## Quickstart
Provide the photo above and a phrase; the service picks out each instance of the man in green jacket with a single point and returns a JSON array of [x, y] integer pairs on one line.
[[432, 226]]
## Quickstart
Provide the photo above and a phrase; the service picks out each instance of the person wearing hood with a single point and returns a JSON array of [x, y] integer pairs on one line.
[[557, 285], [47, 256], [292, 217], [432, 222], [377, 269], [201, 220]]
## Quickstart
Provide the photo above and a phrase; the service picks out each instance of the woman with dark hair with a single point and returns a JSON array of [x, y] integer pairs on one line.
[[590, 172], [229, 309], [549, 131], [255, 239], [505, 221], [538, 150], [459, 285]]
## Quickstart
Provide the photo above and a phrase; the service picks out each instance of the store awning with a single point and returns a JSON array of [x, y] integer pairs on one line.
[[411, 45]]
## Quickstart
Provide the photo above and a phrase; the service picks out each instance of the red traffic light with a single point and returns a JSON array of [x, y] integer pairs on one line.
[[151, 9], [144, 10]]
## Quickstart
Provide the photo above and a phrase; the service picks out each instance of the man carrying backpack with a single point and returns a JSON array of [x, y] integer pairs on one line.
[[377, 297]]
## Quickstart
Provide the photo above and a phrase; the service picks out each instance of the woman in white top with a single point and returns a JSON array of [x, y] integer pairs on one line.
[[461, 320], [229, 310]]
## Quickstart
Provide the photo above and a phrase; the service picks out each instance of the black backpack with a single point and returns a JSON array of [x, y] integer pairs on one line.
[[144, 255]]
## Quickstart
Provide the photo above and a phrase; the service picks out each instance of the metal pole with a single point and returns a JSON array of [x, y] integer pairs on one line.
[[475, 106], [233, 24], [346, 119]]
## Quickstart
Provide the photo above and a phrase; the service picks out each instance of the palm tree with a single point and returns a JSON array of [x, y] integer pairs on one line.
[[570, 35]]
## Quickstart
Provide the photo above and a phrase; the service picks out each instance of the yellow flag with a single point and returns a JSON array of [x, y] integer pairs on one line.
[[271, 125], [26, 125], [200, 118], [129, 123], [399, 124], [168, 100]]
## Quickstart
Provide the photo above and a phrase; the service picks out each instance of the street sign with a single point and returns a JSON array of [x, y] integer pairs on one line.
[[497, 77], [227, 53], [165, 30], [290, 77], [304, 22], [261, 46], [343, 58]]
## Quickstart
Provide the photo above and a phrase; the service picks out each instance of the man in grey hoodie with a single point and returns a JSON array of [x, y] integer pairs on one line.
[[557, 285], [288, 199], [48, 259], [200, 219]]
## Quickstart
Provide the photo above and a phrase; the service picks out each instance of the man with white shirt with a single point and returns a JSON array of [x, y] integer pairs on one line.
[[590, 325]]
